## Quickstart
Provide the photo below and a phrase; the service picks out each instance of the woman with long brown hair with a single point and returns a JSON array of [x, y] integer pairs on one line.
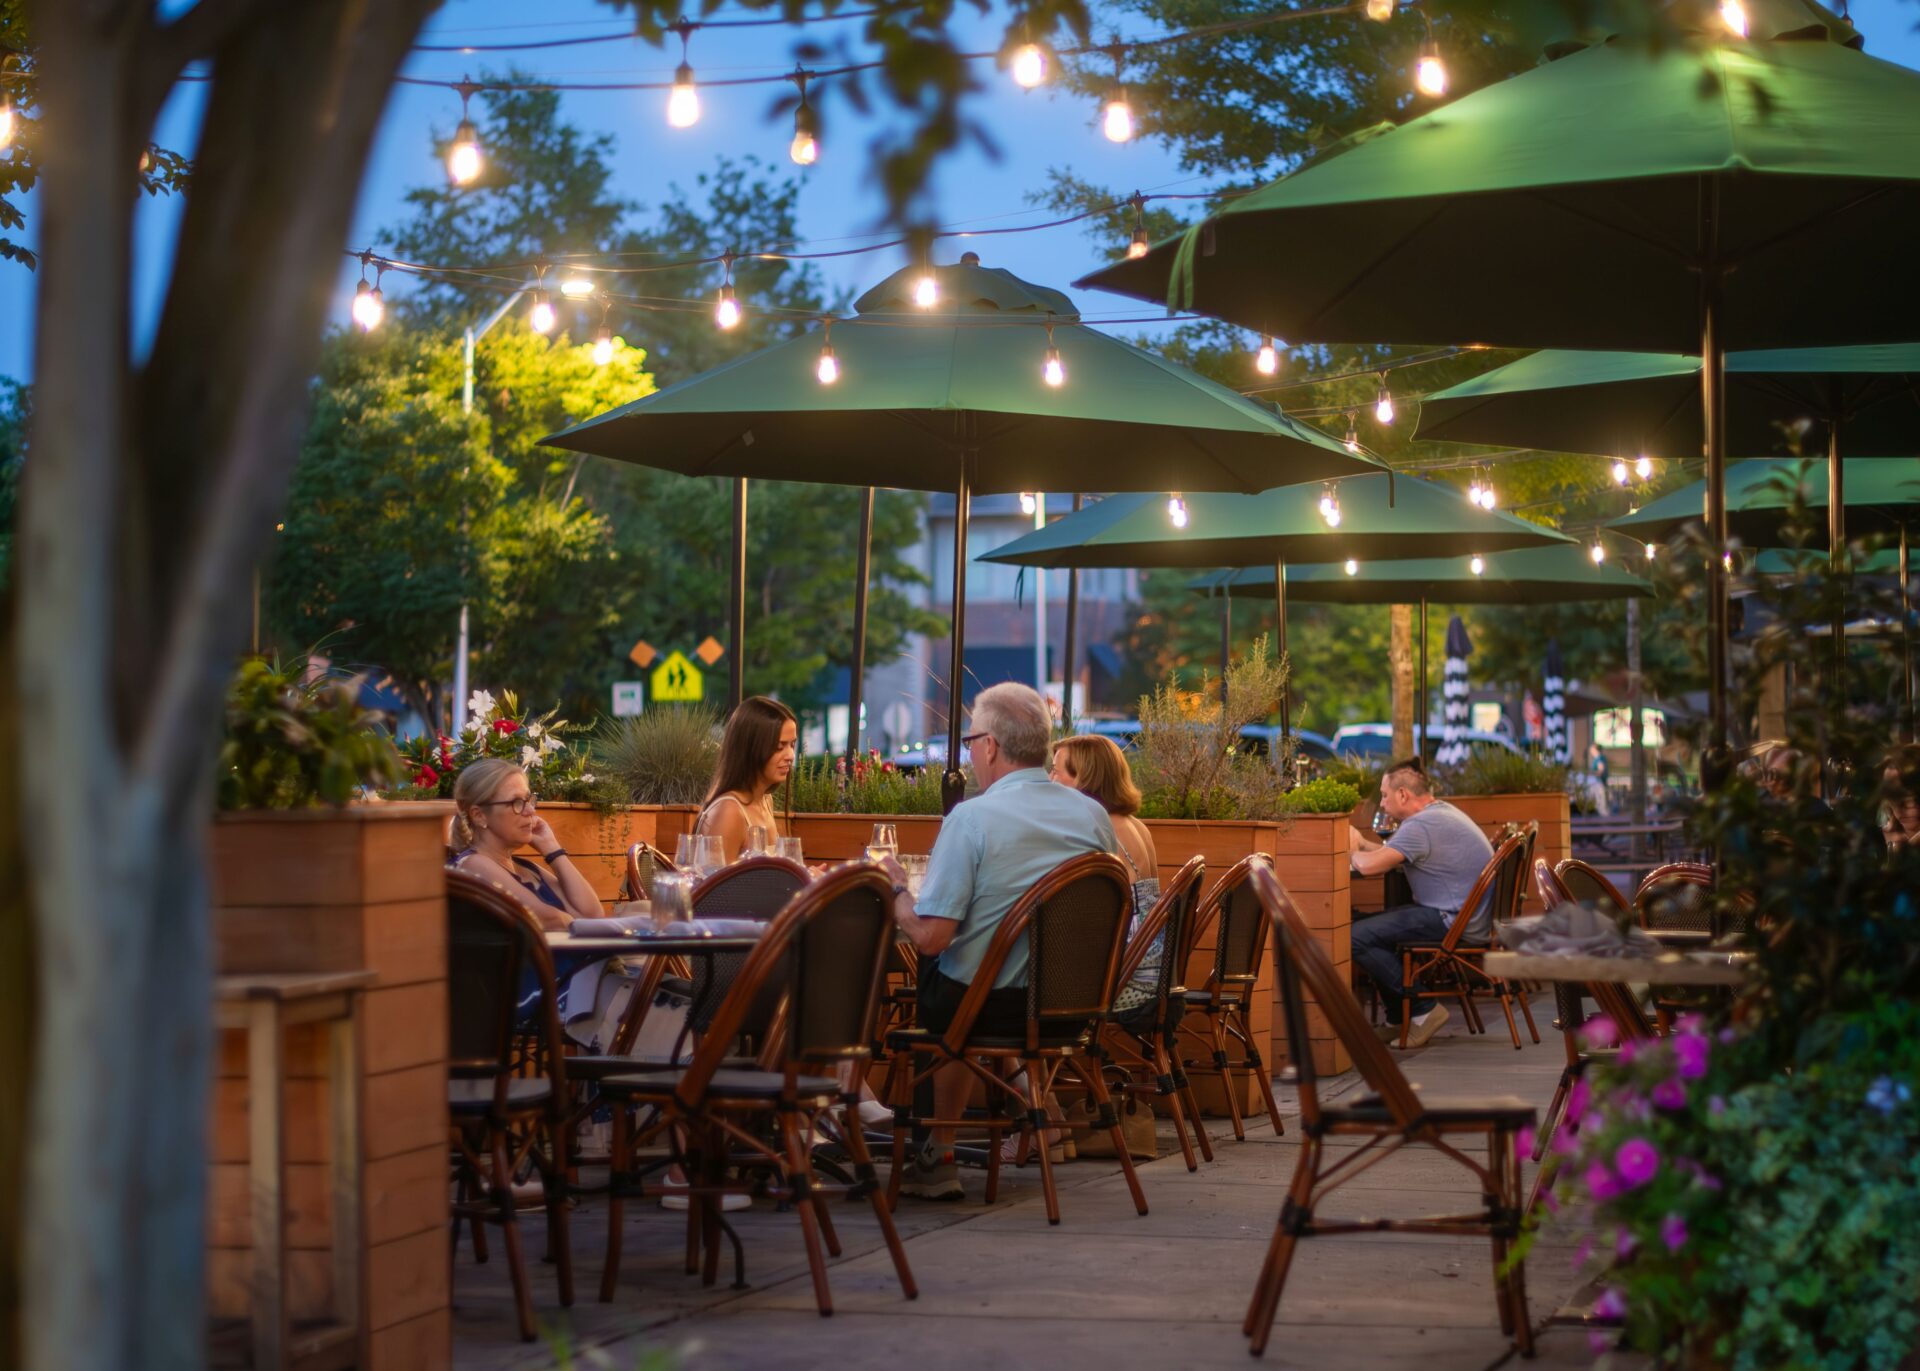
[[756, 757], [1097, 768]]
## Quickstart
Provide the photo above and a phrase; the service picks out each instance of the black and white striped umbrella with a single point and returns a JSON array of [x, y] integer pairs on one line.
[[1453, 696], [1555, 704]]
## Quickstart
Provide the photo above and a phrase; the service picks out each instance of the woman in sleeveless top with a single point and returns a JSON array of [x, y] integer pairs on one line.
[[1097, 768], [756, 757]]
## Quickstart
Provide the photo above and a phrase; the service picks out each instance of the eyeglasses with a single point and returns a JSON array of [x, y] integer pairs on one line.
[[969, 739], [520, 804]]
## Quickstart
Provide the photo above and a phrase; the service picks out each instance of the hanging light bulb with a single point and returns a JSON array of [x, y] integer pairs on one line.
[[1430, 76], [1117, 122], [1734, 15], [1352, 442], [1052, 370], [1643, 468], [683, 102], [1138, 246], [926, 291], [1473, 492], [603, 346], [541, 317], [1726, 561], [726, 311], [464, 158], [1619, 473], [1028, 504], [369, 308], [805, 148], [1330, 505], [1650, 551], [1477, 564], [6, 124], [1176, 510], [829, 368], [1383, 404], [1597, 552], [1380, 10], [1352, 567], [1488, 500], [1267, 360], [1029, 66], [576, 285]]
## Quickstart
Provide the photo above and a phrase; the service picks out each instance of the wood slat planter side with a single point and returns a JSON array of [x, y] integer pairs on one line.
[[341, 890], [1312, 863], [843, 837], [598, 840], [1551, 811]]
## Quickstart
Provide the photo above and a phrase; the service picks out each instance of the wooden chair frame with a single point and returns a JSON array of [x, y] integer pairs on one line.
[[1149, 1061], [490, 1149], [1395, 1117], [705, 1108], [632, 887], [1041, 1061], [1223, 1000], [1451, 971], [1596, 879]]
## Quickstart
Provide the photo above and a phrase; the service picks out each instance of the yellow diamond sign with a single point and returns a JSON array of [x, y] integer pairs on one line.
[[678, 681]]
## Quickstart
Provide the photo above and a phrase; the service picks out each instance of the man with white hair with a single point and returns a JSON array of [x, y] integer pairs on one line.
[[992, 849]]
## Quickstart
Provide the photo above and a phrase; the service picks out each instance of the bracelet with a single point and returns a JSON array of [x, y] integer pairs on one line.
[[898, 890], [551, 857]]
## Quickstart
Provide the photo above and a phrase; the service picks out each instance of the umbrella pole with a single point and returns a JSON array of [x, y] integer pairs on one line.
[[862, 574], [1280, 651], [737, 600], [1906, 632], [1067, 672], [1713, 400], [1420, 738], [1837, 550], [953, 783], [1226, 636]]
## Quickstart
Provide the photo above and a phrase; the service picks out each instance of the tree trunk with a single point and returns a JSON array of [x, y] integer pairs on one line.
[[1400, 664], [136, 533]]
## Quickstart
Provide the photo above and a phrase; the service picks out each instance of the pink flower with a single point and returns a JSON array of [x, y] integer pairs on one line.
[[1673, 1232], [1600, 1031], [1612, 1305], [1637, 1161], [426, 776], [1707, 1180], [1599, 1343], [1601, 1183], [1551, 1201], [1523, 1143], [1629, 1049], [1623, 1244], [1690, 1053], [1716, 1105], [1692, 1025], [505, 726], [1670, 1095], [1578, 1099], [1583, 1252]]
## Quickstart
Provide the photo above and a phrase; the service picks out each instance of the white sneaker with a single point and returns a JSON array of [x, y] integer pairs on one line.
[[1420, 1032], [729, 1204], [876, 1114]]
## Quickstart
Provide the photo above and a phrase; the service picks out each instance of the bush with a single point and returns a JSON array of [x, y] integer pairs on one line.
[[1324, 796], [1496, 771], [665, 756], [1187, 759], [823, 785], [296, 739], [543, 745]]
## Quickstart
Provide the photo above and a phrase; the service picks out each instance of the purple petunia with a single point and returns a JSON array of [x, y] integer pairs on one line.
[[1623, 1244], [1716, 1105], [1673, 1232], [1523, 1143], [1690, 1054], [1611, 1305], [1578, 1099], [1670, 1095], [1637, 1160], [1600, 1031], [1601, 1182]]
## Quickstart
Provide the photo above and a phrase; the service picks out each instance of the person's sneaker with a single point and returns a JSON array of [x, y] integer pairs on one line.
[[1387, 1032], [932, 1178], [1420, 1034]]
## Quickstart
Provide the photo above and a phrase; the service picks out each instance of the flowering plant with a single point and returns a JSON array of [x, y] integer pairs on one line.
[[298, 736], [1756, 1216], [557, 767], [872, 785]]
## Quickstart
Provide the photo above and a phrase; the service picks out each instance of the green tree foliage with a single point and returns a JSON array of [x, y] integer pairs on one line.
[[16, 405]]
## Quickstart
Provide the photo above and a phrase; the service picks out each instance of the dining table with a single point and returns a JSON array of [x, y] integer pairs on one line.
[[1695, 967]]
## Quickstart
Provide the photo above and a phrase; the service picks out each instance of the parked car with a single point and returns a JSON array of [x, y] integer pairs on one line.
[[1373, 742]]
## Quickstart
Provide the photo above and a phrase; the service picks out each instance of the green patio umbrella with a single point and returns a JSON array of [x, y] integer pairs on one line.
[[1561, 574], [1882, 495], [1679, 196], [995, 388], [1366, 516]]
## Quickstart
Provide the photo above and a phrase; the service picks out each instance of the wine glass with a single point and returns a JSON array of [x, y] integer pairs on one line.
[[710, 854], [758, 840], [789, 849], [885, 842], [916, 868], [684, 850]]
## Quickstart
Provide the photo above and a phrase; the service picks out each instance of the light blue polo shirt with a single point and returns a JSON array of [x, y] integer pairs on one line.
[[992, 849]]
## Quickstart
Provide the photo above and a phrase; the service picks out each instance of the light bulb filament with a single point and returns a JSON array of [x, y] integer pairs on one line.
[[1176, 511]]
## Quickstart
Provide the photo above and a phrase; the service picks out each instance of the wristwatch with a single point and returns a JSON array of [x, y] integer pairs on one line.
[[551, 857]]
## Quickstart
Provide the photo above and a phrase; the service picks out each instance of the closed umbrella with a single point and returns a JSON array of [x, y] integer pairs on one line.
[[1684, 197], [1453, 695], [1362, 517], [1553, 691], [995, 388]]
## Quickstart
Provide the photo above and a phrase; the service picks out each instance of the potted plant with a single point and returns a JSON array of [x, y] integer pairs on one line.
[[831, 807], [306, 877], [1495, 787]]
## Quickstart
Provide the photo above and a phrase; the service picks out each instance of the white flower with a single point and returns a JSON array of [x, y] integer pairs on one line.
[[586, 778], [480, 705], [550, 745], [529, 756], [534, 730]]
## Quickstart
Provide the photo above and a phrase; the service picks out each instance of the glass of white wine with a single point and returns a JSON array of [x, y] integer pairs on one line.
[[884, 843]]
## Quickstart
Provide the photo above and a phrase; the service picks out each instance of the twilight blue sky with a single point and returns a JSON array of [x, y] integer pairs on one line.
[[839, 207]]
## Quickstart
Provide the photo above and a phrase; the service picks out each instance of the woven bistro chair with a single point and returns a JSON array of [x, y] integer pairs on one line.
[[1392, 1117], [1678, 895], [1456, 969], [1586, 884], [501, 1118], [1240, 944], [1147, 1057], [1074, 921], [753, 888], [643, 861], [822, 956]]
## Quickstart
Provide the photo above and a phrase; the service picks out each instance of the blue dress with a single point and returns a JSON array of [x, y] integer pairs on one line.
[[564, 966]]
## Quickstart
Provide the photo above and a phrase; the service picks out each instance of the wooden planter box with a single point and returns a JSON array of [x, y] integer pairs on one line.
[[343, 890], [598, 841], [843, 837], [1312, 861], [1550, 810]]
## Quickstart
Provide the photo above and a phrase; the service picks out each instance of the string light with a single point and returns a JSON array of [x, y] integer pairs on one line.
[[683, 103], [926, 291], [1352, 442], [1028, 504], [829, 368], [1477, 564], [1176, 510], [541, 318], [1117, 123], [1488, 500], [1352, 567], [576, 285], [1380, 10], [1430, 76], [1267, 360], [1383, 405], [369, 308], [1029, 66], [726, 308], [1734, 15], [1597, 552], [1138, 246], [464, 158], [1650, 550], [1052, 370], [1619, 473], [1644, 468], [805, 148], [6, 122], [603, 346], [1330, 504]]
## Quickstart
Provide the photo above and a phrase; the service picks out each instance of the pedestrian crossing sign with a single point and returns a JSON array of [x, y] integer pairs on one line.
[[678, 681]]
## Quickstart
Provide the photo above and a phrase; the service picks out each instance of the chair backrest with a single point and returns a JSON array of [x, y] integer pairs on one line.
[[1303, 970], [1166, 923], [821, 960], [1678, 895], [754, 888], [1233, 912], [644, 861], [492, 937], [1502, 882], [1586, 884]]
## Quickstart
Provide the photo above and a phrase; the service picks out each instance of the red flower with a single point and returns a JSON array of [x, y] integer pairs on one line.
[[426, 777], [505, 726]]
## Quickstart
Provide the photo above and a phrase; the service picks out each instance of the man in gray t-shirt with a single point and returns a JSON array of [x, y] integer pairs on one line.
[[1443, 853]]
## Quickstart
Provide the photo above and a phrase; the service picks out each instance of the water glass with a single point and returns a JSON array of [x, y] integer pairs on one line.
[[885, 842], [916, 869], [710, 854], [758, 840], [789, 848], [684, 850], [672, 899]]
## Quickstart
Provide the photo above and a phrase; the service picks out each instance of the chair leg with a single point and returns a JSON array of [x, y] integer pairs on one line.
[[1036, 1109], [899, 1154], [994, 1105], [618, 1165], [1216, 1028], [559, 1222], [1496, 1196], [1096, 1083], [798, 1172], [1262, 1076], [1550, 1122], [1273, 1273], [827, 1230], [1171, 1094], [1506, 1007], [1526, 1011], [501, 1192], [1184, 1085], [863, 1173]]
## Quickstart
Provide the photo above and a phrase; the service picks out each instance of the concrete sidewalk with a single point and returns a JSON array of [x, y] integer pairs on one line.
[[1107, 1287]]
